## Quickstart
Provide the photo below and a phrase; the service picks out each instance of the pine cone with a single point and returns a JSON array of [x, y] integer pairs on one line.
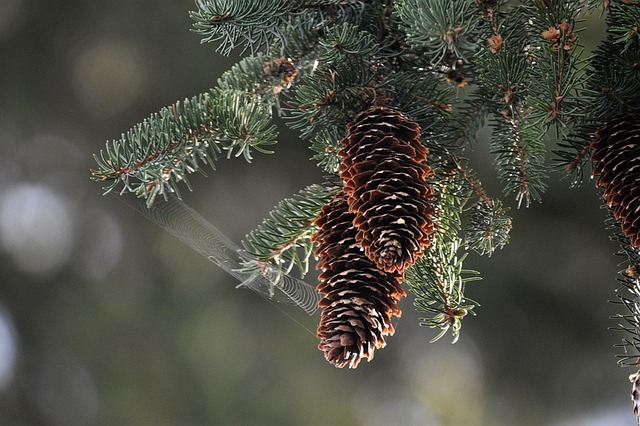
[[384, 178], [635, 393], [359, 299], [616, 162]]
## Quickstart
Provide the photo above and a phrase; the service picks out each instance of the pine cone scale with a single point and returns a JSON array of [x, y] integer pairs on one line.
[[615, 154], [359, 300], [384, 177]]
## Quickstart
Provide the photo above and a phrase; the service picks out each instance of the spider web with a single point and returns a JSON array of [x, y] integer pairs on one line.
[[184, 223]]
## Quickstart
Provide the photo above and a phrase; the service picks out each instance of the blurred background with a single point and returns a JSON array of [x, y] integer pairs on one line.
[[106, 319]]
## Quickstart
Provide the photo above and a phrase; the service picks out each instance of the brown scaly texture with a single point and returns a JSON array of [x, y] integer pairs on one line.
[[384, 179], [616, 161], [635, 394], [359, 299]]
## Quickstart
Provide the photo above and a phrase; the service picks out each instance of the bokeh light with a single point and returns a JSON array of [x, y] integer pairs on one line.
[[109, 76], [8, 348], [36, 228]]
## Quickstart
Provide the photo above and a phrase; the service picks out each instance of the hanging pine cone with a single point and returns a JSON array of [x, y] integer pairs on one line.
[[635, 393], [359, 299], [616, 162], [384, 179]]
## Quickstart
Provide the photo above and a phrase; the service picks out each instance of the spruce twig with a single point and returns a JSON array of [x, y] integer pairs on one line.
[[283, 239]]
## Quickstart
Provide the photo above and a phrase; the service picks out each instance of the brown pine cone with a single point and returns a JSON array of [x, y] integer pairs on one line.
[[359, 299], [384, 178], [615, 153]]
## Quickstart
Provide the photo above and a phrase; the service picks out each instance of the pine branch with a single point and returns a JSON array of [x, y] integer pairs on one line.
[[466, 122], [151, 158], [330, 96], [628, 295], [439, 292], [265, 25], [612, 81], [421, 95], [488, 227], [339, 59], [504, 80], [615, 77], [260, 77], [254, 23], [283, 239], [445, 30], [519, 150], [326, 145], [559, 75], [615, 80], [624, 23], [572, 154], [345, 41], [437, 279]]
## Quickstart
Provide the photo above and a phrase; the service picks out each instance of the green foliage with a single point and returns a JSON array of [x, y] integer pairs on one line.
[[441, 293], [438, 278], [624, 22], [260, 77], [155, 155], [151, 158], [466, 122], [488, 227], [283, 239], [423, 97], [613, 80], [444, 30], [326, 145], [255, 23], [330, 96], [449, 66], [504, 72], [559, 73], [628, 295], [345, 41]]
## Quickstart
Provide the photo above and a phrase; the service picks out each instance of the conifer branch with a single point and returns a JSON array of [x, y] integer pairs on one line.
[[151, 158], [283, 239], [345, 41], [260, 77], [628, 295], [326, 145], [255, 23], [330, 96], [437, 279], [422, 96], [442, 294], [503, 78], [444, 30], [612, 80], [624, 28], [519, 150], [558, 75], [467, 121], [487, 227]]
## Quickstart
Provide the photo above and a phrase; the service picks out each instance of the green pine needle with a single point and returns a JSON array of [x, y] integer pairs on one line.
[[283, 239]]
